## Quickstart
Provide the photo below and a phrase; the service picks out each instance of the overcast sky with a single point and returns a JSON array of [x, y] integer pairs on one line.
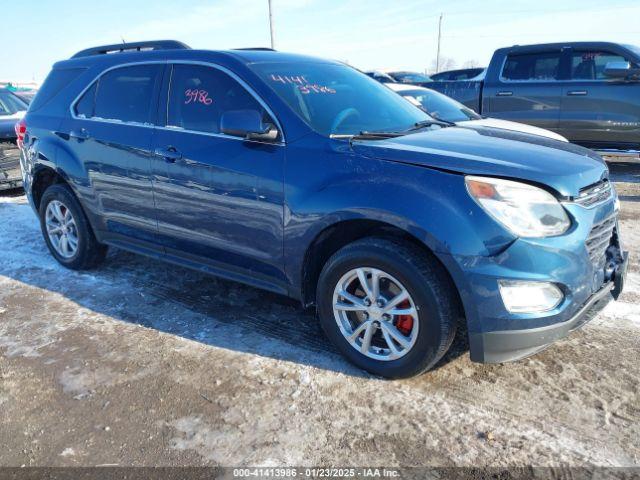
[[368, 34]]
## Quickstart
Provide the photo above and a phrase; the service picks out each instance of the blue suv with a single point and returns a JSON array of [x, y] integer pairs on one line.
[[305, 177]]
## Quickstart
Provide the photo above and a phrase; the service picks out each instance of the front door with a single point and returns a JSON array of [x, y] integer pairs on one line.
[[597, 111], [219, 197], [111, 134]]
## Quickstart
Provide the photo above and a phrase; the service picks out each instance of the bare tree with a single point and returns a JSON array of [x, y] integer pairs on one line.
[[446, 63], [473, 63]]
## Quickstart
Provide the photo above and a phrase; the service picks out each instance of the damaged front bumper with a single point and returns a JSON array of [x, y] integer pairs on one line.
[[508, 345]]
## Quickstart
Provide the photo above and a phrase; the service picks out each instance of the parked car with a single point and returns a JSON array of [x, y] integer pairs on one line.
[[12, 109], [307, 178], [26, 95], [443, 108], [380, 76], [588, 92], [413, 78], [460, 74]]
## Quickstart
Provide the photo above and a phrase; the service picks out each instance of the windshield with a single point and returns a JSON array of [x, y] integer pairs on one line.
[[439, 106], [338, 100], [10, 104], [410, 77]]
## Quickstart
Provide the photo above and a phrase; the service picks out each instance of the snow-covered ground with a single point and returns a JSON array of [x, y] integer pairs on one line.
[[143, 363]]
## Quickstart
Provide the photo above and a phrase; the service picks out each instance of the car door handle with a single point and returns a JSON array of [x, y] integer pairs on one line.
[[81, 134], [170, 154], [577, 92], [504, 94]]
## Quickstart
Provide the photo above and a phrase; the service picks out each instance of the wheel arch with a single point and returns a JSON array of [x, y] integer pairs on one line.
[[43, 178], [335, 236]]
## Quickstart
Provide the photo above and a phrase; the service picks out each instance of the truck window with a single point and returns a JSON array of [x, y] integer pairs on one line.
[[126, 94], [199, 96], [542, 66], [590, 65]]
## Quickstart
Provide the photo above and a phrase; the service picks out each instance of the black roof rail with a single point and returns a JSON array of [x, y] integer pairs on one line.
[[132, 46], [263, 49]]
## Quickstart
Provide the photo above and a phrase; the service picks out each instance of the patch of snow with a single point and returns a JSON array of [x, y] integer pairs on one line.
[[68, 452]]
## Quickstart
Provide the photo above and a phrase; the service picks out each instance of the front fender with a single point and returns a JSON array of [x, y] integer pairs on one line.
[[324, 188]]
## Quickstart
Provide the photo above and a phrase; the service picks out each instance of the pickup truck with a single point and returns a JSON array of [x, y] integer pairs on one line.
[[588, 92]]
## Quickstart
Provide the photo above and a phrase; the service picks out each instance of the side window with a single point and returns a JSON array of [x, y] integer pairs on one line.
[[200, 95], [542, 66], [126, 94], [84, 106], [590, 65]]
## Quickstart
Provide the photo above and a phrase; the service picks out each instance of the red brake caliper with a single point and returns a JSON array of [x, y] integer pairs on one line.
[[404, 323]]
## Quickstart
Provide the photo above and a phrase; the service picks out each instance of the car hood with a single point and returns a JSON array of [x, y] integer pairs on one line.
[[507, 125], [494, 152]]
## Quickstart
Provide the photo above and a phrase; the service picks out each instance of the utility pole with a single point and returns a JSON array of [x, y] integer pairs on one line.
[[439, 38], [273, 42]]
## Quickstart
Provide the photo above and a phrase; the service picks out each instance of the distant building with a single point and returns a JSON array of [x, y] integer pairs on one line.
[[17, 85]]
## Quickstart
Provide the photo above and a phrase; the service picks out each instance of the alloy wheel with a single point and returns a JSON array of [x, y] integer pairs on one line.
[[375, 313], [61, 229]]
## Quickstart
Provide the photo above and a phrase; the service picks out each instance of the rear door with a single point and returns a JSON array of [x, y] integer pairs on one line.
[[527, 90], [111, 133], [598, 111], [219, 197]]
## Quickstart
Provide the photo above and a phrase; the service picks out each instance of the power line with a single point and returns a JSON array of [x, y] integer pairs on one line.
[[532, 34]]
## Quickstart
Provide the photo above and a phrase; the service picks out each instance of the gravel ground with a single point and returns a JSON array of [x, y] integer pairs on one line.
[[142, 363]]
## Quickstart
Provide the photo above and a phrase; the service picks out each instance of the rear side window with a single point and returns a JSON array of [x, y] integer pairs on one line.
[[124, 94], [590, 65], [53, 84], [84, 106], [199, 96], [542, 66]]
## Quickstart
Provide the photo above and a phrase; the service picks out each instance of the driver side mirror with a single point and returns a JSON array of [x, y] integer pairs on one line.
[[620, 70], [247, 124]]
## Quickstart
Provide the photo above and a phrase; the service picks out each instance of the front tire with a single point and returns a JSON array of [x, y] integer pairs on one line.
[[66, 230], [390, 307]]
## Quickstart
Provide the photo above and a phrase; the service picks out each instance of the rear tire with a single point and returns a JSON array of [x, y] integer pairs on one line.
[[66, 230], [402, 269]]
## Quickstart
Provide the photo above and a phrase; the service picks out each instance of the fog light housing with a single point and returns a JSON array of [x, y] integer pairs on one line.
[[529, 297]]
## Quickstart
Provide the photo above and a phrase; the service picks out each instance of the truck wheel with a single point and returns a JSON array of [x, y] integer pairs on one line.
[[389, 307], [66, 230]]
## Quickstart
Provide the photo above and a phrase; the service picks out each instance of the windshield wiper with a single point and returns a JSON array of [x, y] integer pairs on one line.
[[368, 135], [428, 123], [376, 135]]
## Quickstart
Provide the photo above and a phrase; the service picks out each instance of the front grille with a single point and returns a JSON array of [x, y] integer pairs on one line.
[[599, 239], [594, 194]]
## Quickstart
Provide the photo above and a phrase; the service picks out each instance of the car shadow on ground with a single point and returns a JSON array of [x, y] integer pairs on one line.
[[179, 301]]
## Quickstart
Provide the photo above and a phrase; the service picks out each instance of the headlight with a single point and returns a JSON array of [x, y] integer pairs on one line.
[[525, 210]]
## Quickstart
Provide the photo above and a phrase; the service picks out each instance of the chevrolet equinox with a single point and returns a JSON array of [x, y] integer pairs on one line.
[[305, 177]]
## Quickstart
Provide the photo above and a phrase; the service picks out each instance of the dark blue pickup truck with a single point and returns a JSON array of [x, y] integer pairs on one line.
[[588, 92]]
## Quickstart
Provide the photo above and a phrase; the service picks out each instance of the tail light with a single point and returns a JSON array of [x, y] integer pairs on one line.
[[21, 131]]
